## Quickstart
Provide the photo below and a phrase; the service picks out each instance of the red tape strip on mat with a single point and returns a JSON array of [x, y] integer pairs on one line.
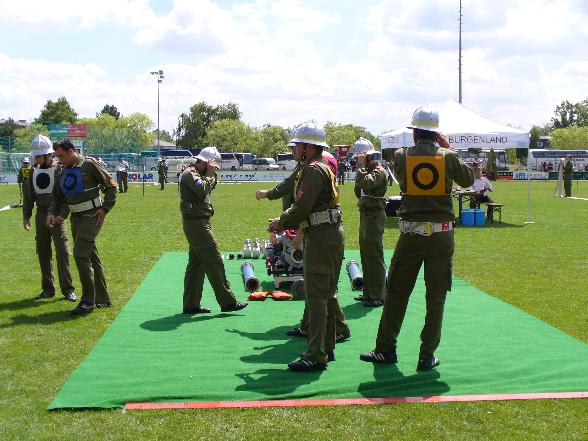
[[353, 401]]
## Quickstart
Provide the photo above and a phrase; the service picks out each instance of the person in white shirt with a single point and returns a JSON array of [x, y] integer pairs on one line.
[[122, 170], [482, 186]]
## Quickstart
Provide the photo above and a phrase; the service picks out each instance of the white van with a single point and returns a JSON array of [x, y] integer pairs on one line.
[[548, 159], [229, 161], [286, 161]]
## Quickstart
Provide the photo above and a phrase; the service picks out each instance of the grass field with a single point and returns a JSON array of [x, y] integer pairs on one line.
[[540, 268]]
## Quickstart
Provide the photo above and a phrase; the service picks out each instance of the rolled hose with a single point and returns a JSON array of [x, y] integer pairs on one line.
[[249, 280], [355, 275]]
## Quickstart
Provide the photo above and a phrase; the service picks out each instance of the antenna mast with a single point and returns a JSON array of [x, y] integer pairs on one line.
[[459, 61]]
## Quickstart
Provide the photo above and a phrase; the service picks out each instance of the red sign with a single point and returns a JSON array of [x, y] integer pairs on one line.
[[76, 131], [343, 150]]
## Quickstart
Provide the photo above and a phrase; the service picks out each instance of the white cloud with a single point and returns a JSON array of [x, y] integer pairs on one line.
[[75, 13], [520, 59]]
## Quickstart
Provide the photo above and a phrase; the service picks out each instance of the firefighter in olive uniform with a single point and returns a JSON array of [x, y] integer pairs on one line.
[[568, 168], [196, 184], [426, 173], [371, 183], [38, 192], [317, 212], [285, 190], [162, 172], [23, 176], [77, 190], [491, 165]]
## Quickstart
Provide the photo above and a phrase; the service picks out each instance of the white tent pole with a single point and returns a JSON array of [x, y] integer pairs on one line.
[[529, 221]]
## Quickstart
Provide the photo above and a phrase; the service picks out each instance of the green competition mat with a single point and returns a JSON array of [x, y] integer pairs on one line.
[[153, 353]]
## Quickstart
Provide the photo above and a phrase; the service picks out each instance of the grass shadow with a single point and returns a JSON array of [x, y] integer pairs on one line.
[[269, 381], [173, 322], [278, 333], [276, 382], [357, 310], [389, 381], [28, 303], [40, 319], [279, 353]]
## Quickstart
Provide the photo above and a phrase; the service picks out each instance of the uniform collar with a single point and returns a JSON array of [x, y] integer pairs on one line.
[[79, 162], [425, 142]]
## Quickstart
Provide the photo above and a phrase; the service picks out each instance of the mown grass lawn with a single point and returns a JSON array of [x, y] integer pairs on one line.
[[540, 268]]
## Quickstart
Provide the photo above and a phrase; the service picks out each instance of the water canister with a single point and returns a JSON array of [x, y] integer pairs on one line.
[[479, 217], [467, 217]]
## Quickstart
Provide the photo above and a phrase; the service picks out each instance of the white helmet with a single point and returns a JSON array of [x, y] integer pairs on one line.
[[41, 145], [26, 160], [425, 118], [310, 133], [362, 145], [208, 154]]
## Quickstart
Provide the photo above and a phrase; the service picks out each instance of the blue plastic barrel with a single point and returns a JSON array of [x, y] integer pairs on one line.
[[479, 217], [467, 217]]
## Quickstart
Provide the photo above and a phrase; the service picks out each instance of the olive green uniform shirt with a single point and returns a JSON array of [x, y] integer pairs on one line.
[[195, 192], [285, 189], [491, 162], [42, 199], [425, 208], [23, 174], [370, 187], [568, 168], [313, 194], [94, 178]]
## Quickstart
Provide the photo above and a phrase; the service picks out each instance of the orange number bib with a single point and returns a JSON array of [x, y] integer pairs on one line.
[[425, 175]]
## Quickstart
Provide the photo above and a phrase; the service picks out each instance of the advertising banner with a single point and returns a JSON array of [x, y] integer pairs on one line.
[[535, 176], [77, 131], [58, 130]]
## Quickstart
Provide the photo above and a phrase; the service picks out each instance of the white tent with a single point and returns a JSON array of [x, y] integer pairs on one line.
[[465, 129]]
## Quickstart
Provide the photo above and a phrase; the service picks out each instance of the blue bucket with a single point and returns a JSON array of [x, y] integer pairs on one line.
[[479, 217], [467, 217]]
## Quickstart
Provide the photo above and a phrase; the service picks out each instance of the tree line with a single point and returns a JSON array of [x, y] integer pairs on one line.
[[202, 125], [568, 127], [222, 126]]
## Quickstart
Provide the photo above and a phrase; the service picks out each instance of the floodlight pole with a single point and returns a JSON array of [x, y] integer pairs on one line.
[[459, 60], [159, 74]]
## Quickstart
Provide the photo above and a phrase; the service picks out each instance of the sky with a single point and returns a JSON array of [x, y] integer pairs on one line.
[[369, 63]]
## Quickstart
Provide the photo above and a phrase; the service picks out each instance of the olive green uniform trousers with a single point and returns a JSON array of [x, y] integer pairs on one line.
[[436, 252], [44, 235], [123, 184], [323, 256], [341, 326], [84, 232], [568, 186], [371, 232], [204, 258]]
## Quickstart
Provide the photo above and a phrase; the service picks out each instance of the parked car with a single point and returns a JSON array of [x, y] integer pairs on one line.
[[265, 164]]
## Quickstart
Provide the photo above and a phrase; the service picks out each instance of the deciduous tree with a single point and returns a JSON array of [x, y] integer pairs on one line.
[[109, 109], [57, 112], [192, 126]]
